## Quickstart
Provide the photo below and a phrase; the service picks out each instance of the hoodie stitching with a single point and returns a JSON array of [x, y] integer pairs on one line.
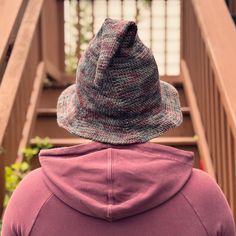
[[45, 202], [195, 211], [110, 184], [112, 179], [171, 159]]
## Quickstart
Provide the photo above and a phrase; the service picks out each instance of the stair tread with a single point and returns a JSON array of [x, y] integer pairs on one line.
[[53, 111], [183, 143], [46, 125], [160, 140], [52, 92]]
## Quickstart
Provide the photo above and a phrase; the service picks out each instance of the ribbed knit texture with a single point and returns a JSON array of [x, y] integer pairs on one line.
[[118, 97]]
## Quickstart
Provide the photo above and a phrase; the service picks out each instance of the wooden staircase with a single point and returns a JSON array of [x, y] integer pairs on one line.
[[183, 137], [33, 47]]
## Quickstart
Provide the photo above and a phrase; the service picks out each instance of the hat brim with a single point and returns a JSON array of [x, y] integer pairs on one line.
[[142, 129]]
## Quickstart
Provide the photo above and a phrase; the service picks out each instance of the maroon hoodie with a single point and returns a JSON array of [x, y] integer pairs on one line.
[[101, 189]]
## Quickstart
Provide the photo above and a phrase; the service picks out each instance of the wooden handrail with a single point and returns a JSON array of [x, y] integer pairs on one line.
[[220, 38], [12, 11], [35, 54], [17, 83], [16, 66], [208, 50]]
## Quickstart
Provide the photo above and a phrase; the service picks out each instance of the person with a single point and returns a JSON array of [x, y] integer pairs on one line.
[[119, 183]]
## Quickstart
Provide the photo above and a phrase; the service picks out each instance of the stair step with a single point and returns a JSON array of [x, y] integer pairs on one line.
[[53, 111], [51, 93], [173, 141], [184, 143], [46, 125], [46, 112]]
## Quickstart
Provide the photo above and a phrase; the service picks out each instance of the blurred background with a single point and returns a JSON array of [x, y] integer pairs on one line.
[[158, 27]]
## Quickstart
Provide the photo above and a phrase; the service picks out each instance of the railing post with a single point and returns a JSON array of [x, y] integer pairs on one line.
[[52, 22]]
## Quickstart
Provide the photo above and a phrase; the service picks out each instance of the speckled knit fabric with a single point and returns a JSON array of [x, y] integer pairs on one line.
[[118, 97]]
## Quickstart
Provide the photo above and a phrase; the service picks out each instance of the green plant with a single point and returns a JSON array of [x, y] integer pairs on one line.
[[148, 2], [32, 151], [13, 175], [17, 171], [0, 226]]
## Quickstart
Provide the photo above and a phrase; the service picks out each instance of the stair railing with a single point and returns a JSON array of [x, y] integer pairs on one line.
[[29, 49], [11, 13], [23, 71], [208, 56]]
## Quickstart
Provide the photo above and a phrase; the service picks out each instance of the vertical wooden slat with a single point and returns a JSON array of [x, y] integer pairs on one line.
[[193, 57], [230, 167], [122, 9], [223, 149], [2, 179], [53, 27], [234, 171], [78, 50], [212, 118], [165, 38], [150, 25], [136, 11], [19, 119], [198, 127], [107, 8], [187, 34], [220, 144], [218, 148], [203, 69], [197, 66], [214, 125], [92, 2], [182, 30], [206, 89], [11, 140]]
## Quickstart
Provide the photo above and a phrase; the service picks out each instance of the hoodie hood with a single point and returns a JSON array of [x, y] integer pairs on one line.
[[112, 182]]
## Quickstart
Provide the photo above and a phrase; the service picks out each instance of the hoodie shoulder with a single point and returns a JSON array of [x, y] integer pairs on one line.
[[209, 204], [25, 204]]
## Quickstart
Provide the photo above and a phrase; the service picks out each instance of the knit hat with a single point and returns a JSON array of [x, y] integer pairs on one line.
[[118, 97]]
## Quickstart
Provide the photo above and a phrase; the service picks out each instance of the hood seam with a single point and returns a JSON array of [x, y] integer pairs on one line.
[[185, 162], [110, 183]]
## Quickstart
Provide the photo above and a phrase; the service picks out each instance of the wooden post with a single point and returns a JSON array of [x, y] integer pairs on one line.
[[53, 38]]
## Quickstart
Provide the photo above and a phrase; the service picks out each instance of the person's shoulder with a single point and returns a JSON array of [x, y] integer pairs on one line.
[[31, 186], [202, 190], [209, 203], [202, 182], [26, 202]]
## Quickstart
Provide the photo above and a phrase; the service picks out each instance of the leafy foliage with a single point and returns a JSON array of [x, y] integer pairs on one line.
[[32, 151], [13, 175], [17, 171]]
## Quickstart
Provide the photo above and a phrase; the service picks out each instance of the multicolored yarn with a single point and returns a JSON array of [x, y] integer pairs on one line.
[[118, 97]]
